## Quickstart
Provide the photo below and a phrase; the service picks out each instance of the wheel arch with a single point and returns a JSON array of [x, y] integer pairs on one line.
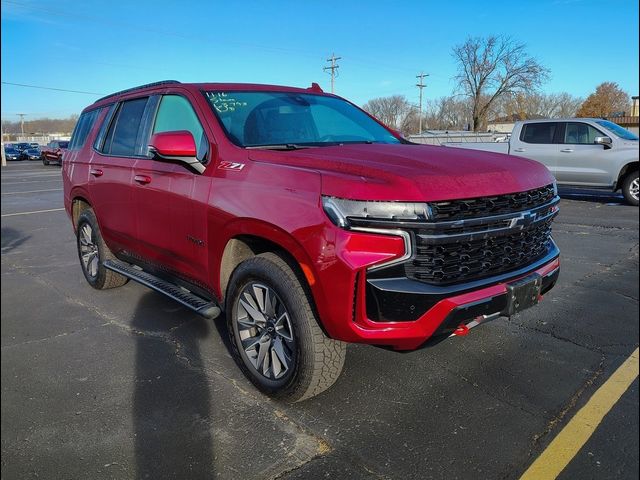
[[246, 240], [628, 167], [79, 204]]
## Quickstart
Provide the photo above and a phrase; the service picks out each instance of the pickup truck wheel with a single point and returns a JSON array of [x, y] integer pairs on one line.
[[275, 336], [45, 161], [630, 187], [92, 252]]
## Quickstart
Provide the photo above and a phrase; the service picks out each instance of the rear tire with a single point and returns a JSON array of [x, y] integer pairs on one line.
[[630, 188], [279, 345], [93, 252]]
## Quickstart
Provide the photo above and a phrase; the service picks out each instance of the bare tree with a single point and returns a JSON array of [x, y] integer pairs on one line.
[[392, 111], [608, 99], [42, 125], [490, 68], [531, 105], [448, 113]]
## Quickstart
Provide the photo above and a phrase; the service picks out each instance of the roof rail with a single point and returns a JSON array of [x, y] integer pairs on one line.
[[139, 87]]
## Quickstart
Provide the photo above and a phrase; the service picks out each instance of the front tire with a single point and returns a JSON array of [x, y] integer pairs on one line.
[[630, 187], [275, 334], [92, 252]]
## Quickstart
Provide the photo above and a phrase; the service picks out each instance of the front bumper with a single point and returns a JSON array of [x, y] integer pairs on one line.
[[447, 308], [397, 312]]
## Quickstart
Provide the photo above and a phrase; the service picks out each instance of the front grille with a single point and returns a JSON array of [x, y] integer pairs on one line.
[[462, 261], [488, 206]]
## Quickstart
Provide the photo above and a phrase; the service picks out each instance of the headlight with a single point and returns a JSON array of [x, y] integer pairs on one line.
[[555, 188], [339, 210]]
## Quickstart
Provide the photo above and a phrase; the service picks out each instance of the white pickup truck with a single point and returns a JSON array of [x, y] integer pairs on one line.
[[580, 152]]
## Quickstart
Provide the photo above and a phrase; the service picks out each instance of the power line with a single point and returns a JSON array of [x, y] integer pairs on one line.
[[50, 88], [420, 86], [332, 68]]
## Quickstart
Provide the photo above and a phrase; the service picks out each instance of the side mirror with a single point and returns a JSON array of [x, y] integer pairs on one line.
[[175, 147], [604, 141]]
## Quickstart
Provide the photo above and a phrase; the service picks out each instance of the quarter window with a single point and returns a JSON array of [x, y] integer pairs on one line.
[[580, 133], [123, 132], [176, 113], [539, 132], [82, 129]]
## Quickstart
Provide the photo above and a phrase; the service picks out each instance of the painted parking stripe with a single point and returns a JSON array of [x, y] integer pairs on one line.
[[33, 191], [580, 428], [32, 181], [31, 213]]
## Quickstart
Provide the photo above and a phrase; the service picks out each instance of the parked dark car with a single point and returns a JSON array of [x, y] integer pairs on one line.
[[52, 153], [11, 153], [31, 154]]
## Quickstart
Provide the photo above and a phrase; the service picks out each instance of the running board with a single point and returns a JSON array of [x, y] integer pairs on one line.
[[198, 304]]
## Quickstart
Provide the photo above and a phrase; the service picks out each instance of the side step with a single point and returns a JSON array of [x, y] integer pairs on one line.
[[198, 304]]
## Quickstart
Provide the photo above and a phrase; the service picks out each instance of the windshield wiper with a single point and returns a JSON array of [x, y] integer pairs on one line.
[[284, 146]]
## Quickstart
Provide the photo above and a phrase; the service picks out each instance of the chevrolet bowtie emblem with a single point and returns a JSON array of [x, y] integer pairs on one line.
[[523, 220]]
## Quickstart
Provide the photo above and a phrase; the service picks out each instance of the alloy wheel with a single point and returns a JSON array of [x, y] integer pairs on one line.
[[634, 188], [89, 253], [264, 330]]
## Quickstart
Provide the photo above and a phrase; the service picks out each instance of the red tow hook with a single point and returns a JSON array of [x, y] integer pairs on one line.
[[461, 331]]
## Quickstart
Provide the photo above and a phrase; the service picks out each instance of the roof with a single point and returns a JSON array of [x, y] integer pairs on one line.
[[149, 87]]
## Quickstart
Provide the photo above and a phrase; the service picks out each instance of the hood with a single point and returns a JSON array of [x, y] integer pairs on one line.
[[412, 172]]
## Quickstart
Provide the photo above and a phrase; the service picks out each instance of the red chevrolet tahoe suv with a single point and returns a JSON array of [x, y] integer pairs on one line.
[[305, 220]]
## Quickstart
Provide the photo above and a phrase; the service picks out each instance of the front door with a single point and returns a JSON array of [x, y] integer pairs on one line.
[[171, 201], [581, 161]]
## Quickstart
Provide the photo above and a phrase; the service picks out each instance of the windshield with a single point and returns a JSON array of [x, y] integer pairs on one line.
[[617, 130], [293, 120], [63, 144]]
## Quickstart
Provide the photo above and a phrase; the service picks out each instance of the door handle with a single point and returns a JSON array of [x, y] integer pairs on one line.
[[96, 172], [142, 179], [519, 150], [567, 150]]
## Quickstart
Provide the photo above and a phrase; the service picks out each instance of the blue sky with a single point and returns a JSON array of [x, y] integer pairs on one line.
[[107, 46]]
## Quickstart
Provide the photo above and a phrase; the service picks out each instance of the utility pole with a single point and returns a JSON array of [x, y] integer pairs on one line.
[[22, 115], [420, 86], [333, 69]]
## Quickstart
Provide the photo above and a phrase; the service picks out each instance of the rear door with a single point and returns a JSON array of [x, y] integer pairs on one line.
[[581, 161], [111, 172], [171, 200], [537, 142]]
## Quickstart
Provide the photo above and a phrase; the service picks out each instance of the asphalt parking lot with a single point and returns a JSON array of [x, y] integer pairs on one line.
[[127, 384]]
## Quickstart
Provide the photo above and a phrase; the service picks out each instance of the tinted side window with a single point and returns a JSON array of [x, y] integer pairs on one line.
[[580, 133], [538, 132], [83, 128], [176, 113], [121, 138]]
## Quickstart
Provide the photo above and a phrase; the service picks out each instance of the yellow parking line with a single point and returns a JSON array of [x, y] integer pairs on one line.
[[31, 213], [580, 428]]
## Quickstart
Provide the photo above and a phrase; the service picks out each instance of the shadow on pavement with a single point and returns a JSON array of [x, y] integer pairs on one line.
[[595, 196], [171, 400], [12, 238]]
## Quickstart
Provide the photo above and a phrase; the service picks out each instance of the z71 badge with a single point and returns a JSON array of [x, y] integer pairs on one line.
[[231, 166]]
